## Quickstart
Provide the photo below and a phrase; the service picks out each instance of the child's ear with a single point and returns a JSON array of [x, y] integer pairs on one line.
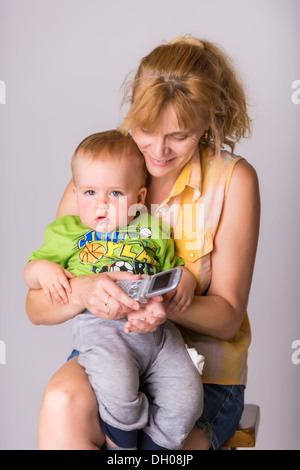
[[74, 189], [142, 195]]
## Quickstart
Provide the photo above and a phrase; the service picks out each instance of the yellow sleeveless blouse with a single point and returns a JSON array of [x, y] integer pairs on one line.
[[193, 209]]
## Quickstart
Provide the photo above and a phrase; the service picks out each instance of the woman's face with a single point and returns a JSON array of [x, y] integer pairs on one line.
[[169, 148]]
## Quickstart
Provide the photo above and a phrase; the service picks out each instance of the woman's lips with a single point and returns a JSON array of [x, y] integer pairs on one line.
[[161, 163]]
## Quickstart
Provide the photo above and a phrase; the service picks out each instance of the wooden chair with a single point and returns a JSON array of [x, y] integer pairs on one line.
[[246, 434]]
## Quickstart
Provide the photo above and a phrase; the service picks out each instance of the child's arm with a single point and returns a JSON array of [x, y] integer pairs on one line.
[[51, 277], [179, 300]]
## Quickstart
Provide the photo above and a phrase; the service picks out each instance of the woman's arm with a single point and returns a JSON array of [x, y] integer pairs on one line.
[[219, 314], [96, 292], [41, 312], [38, 309], [67, 204]]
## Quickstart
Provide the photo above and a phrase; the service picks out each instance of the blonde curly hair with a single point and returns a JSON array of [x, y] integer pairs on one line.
[[190, 74]]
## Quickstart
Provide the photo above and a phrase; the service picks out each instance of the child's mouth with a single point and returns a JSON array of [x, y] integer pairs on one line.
[[101, 218]]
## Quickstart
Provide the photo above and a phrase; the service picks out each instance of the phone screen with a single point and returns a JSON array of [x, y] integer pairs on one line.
[[161, 281]]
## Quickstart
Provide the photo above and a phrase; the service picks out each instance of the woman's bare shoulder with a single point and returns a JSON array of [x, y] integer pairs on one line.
[[244, 174], [242, 203]]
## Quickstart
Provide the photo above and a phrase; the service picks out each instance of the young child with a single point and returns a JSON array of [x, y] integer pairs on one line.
[[142, 381]]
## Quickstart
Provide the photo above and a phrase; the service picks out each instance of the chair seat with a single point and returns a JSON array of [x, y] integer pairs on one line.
[[245, 435]]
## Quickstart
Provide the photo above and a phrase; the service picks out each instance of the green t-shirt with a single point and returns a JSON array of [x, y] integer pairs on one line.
[[143, 247]]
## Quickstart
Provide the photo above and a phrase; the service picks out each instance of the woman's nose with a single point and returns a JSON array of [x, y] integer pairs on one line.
[[159, 148]]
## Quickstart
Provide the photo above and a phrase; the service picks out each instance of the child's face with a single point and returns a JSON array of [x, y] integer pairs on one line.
[[105, 191]]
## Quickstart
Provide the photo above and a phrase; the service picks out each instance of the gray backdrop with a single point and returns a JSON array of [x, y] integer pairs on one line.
[[63, 63]]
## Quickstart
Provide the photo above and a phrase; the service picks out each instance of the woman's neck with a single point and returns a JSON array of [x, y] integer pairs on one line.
[[158, 190]]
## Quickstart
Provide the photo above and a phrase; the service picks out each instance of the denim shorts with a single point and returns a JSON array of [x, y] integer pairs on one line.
[[223, 408], [74, 353], [222, 411]]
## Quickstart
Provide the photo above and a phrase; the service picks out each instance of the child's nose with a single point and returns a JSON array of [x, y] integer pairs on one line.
[[102, 200], [103, 205]]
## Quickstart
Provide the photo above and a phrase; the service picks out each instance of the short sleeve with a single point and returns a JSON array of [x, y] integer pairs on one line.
[[56, 246]]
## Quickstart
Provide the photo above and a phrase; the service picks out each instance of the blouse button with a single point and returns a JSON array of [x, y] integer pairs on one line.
[[192, 255]]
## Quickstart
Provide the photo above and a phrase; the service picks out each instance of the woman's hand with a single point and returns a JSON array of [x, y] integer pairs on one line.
[[148, 318], [100, 294]]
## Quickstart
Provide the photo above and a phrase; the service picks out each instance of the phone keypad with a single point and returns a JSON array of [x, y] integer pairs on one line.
[[129, 287]]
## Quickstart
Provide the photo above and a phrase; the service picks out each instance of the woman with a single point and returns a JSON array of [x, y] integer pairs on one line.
[[186, 104]]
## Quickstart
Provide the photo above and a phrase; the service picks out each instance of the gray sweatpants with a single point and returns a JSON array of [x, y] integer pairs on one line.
[[141, 381]]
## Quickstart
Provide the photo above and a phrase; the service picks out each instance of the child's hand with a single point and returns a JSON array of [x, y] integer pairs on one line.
[[177, 301], [54, 281], [147, 318]]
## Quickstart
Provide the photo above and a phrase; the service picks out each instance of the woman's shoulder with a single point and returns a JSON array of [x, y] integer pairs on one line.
[[229, 158], [243, 189], [224, 157], [230, 167], [244, 174]]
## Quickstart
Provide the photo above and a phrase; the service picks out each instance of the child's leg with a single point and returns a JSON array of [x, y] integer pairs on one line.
[[176, 387], [114, 375]]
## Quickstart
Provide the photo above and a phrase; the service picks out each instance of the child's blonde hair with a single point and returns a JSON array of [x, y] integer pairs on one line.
[[184, 73], [112, 144]]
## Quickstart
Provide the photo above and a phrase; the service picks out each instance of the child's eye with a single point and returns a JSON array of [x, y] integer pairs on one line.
[[90, 192], [116, 193]]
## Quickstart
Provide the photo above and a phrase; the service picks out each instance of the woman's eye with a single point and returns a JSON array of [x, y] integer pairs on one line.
[[180, 137], [90, 192], [116, 193]]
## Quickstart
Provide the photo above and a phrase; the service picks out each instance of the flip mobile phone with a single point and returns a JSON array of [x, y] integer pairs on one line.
[[142, 290]]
